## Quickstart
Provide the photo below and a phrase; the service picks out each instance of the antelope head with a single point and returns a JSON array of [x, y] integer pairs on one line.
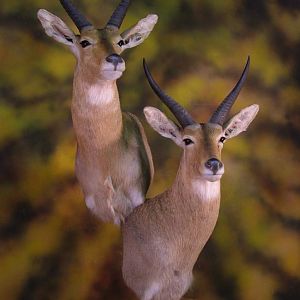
[[97, 50], [202, 143]]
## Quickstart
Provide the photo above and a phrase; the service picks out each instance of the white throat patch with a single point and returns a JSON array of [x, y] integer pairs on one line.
[[90, 202], [99, 94], [206, 190], [152, 290]]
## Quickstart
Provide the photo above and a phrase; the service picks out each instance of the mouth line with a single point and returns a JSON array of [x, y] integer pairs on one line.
[[210, 174], [113, 70], [110, 74], [213, 177]]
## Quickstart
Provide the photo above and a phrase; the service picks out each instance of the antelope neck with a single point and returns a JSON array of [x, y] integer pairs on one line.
[[195, 187], [96, 112]]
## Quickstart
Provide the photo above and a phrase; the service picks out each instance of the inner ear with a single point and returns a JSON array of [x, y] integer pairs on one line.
[[58, 32], [56, 28], [136, 34], [69, 39], [240, 121], [160, 123]]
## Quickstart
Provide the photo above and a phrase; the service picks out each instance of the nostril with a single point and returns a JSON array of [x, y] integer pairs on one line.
[[214, 165], [114, 59], [208, 164]]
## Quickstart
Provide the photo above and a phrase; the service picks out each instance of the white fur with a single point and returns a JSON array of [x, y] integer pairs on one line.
[[58, 30], [90, 202], [97, 95], [161, 124], [136, 197], [151, 291], [139, 32], [240, 121], [206, 190]]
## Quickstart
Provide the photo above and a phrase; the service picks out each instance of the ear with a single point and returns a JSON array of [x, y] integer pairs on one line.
[[160, 123], [139, 32], [57, 29], [240, 121]]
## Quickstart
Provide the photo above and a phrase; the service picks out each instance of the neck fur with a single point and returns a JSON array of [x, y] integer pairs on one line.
[[205, 190], [198, 188], [96, 92], [96, 112]]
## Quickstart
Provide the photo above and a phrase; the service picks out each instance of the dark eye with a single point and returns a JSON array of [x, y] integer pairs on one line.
[[188, 142], [85, 43], [222, 139]]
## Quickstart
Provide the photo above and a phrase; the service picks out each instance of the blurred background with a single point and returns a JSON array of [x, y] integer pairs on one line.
[[51, 247]]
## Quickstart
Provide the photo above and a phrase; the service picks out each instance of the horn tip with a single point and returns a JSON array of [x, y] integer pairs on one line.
[[145, 65], [248, 61]]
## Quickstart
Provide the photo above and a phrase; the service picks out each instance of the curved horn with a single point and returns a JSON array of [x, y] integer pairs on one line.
[[78, 18], [183, 117], [221, 113], [119, 14]]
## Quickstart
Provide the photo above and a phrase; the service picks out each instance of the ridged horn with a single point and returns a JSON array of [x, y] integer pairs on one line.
[[77, 17], [221, 113], [183, 117], [118, 15]]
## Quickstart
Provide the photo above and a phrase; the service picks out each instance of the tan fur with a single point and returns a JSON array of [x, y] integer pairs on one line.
[[163, 237], [147, 147], [110, 145], [113, 162]]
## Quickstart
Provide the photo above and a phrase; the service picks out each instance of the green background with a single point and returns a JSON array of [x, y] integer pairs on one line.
[[51, 247]]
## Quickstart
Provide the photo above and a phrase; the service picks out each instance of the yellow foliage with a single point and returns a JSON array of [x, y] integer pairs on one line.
[[196, 52]]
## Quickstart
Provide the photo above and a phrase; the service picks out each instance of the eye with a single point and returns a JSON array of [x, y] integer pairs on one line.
[[85, 43], [222, 139], [188, 142]]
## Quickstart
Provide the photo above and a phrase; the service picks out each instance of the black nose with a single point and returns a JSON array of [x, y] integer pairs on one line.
[[115, 59], [214, 165]]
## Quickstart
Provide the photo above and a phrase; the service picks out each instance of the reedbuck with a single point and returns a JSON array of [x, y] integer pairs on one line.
[[113, 161], [163, 237]]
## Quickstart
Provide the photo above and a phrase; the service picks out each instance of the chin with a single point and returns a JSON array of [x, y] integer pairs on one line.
[[111, 75], [212, 178]]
